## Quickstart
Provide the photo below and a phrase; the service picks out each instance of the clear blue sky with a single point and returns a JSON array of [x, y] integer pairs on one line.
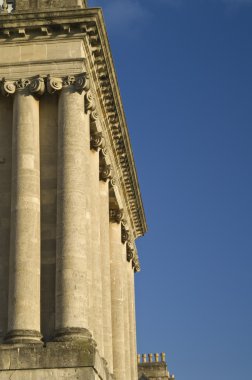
[[185, 73]]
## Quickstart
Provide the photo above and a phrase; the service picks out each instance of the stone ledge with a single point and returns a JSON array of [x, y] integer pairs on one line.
[[53, 355]]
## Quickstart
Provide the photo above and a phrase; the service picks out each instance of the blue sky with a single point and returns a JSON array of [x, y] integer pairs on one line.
[[185, 73]]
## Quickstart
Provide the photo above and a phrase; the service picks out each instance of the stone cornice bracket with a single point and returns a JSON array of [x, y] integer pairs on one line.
[[54, 84], [90, 104], [37, 86], [106, 172], [97, 141], [8, 87], [115, 215]]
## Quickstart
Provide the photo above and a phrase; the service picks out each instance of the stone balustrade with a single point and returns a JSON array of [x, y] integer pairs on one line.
[[150, 358], [153, 366]]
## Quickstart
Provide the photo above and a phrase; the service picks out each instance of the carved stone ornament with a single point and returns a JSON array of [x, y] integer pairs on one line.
[[113, 181], [21, 84], [82, 82], [115, 215], [136, 265], [90, 101], [97, 141], [8, 88], [37, 86], [94, 116], [130, 250], [124, 234], [105, 172], [69, 80], [54, 84], [129, 254]]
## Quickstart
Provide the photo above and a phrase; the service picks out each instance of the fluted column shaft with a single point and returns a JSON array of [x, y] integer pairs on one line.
[[117, 287], [106, 280], [132, 324], [73, 216], [96, 252], [24, 278]]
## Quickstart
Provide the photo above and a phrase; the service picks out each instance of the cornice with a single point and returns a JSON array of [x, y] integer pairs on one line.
[[89, 24]]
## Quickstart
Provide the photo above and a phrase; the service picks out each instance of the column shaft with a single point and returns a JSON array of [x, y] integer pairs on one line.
[[132, 324], [24, 277], [117, 285], [126, 315], [106, 280], [73, 216], [96, 252]]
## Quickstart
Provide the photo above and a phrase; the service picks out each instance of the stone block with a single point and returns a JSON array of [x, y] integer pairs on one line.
[[55, 360]]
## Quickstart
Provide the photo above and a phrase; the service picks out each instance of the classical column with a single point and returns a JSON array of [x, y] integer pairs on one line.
[[132, 267], [126, 308], [105, 174], [117, 299], [24, 275], [97, 312], [73, 208]]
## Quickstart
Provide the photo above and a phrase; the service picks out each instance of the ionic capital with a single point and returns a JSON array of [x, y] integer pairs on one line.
[[90, 104], [34, 87], [54, 84], [130, 251], [37, 86], [8, 87], [82, 82], [124, 233], [135, 264], [115, 215], [105, 172], [97, 141], [22, 84]]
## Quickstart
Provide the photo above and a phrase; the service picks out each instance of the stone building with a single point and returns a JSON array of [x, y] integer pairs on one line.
[[70, 204], [153, 367]]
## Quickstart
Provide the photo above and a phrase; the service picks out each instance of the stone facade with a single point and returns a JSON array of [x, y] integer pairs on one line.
[[70, 204]]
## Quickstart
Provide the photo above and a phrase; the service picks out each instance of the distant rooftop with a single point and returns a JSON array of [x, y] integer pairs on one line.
[[153, 367]]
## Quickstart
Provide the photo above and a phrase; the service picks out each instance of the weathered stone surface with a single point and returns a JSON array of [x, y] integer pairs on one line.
[[23, 5], [55, 359]]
